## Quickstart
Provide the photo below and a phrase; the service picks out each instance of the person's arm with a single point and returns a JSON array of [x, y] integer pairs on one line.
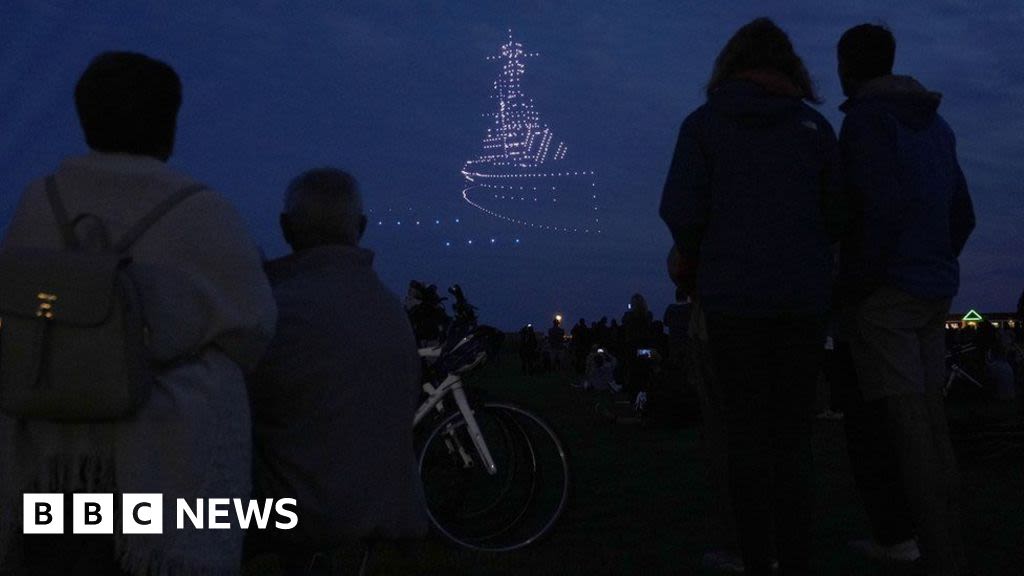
[[961, 213], [32, 223], [682, 273], [227, 302], [868, 153], [686, 198]]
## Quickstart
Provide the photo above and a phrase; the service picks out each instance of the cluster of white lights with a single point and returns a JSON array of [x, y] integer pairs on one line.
[[472, 175], [414, 222], [513, 220], [493, 241], [520, 147]]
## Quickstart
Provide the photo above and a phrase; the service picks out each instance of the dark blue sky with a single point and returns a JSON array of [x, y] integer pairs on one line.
[[393, 90]]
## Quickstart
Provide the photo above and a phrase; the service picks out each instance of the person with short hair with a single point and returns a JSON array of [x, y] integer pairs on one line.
[[210, 315], [899, 271], [334, 399]]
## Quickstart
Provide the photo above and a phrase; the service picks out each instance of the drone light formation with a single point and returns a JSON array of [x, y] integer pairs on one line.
[[521, 175]]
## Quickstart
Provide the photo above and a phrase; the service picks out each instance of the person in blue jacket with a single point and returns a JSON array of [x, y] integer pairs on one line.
[[898, 273], [752, 202]]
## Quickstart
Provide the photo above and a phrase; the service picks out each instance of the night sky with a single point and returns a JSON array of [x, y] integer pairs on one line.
[[394, 91]]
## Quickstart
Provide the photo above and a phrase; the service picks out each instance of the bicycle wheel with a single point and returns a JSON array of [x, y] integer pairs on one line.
[[456, 484], [504, 511]]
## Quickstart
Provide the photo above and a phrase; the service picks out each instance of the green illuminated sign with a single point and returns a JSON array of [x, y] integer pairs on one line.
[[972, 316]]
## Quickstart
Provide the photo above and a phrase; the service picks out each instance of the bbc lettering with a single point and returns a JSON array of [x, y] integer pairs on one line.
[[143, 514]]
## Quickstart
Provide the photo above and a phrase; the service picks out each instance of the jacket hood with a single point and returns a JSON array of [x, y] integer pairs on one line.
[[754, 103], [902, 96]]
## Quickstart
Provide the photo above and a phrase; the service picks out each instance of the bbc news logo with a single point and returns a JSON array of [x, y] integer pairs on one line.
[[143, 514]]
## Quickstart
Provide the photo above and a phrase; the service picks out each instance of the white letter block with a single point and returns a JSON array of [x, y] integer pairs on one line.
[[92, 514], [142, 514], [43, 513]]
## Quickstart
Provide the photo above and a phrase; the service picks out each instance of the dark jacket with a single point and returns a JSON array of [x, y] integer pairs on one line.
[[753, 197], [913, 209]]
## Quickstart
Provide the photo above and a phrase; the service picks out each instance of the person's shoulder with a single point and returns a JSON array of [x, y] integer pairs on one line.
[[812, 119], [205, 195], [866, 118], [695, 122], [944, 127], [392, 315], [206, 204], [35, 190]]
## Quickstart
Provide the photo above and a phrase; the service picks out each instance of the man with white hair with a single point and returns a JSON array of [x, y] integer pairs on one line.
[[334, 399]]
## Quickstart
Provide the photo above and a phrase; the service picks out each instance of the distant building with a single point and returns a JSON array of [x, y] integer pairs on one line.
[[972, 319]]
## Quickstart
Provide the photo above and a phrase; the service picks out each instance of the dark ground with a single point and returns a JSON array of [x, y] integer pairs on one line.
[[640, 494]]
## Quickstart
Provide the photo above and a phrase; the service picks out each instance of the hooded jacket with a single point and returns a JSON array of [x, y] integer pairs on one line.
[[752, 196], [913, 209]]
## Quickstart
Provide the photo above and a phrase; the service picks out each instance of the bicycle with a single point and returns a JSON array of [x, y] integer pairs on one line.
[[495, 475], [954, 360]]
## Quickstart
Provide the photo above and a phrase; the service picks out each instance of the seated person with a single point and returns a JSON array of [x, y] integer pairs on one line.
[[334, 399], [600, 371]]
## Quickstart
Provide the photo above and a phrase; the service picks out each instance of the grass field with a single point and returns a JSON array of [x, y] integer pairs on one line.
[[640, 495]]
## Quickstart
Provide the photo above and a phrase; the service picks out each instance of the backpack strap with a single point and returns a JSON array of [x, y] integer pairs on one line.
[[147, 221], [67, 228]]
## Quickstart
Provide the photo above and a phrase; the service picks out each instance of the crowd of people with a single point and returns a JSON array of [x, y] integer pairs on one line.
[[298, 377], [595, 347]]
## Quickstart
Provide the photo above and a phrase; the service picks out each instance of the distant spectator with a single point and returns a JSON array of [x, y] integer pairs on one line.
[[581, 342], [529, 349], [335, 396], [1019, 328], [614, 333], [556, 343], [1020, 307], [636, 322], [600, 371], [600, 332], [210, 315]]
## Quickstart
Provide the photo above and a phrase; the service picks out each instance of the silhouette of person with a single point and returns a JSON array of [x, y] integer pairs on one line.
[[751, 199], [556, 343], [210, 315], [1020, 308], [898, 273], [581, 341], [528, 349], [334, 399]]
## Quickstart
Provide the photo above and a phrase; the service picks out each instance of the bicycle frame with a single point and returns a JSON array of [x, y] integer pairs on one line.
[[452, 384], [957, 372]]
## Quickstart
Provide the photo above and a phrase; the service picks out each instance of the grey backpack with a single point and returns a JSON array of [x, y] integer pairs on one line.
[[72, 334]]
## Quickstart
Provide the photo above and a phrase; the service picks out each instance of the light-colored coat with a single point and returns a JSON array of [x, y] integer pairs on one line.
[[210, 311]]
